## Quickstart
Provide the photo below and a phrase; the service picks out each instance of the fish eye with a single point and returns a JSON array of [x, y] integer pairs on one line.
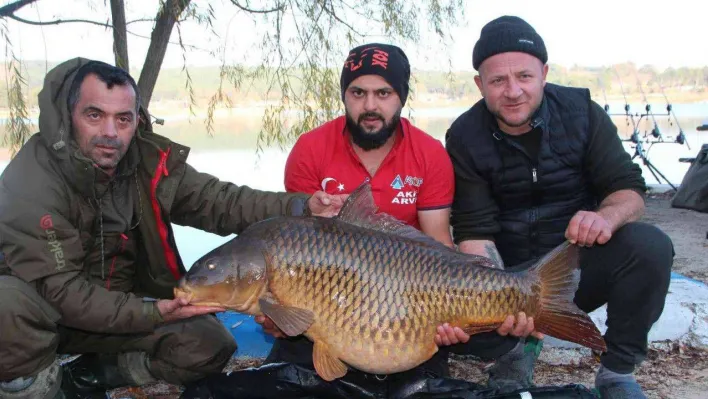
[[211, 266]]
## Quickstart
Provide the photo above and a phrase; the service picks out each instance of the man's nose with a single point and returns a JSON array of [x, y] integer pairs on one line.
[[513, 89], [370, 102], [110, 129]]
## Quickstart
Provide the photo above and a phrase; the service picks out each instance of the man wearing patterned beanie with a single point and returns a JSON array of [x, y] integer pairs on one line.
[[537, 164], [409, 171]]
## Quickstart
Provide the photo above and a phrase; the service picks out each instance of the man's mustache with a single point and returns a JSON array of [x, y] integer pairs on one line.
[[370, 115], [106, 142]]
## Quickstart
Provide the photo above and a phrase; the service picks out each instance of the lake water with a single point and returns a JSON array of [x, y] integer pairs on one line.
[[230, 154]]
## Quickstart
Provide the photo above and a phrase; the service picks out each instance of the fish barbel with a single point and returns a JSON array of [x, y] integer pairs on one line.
[[369, 291]]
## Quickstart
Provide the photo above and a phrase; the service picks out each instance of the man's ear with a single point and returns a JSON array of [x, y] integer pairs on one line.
[[545, 73], [478, 82], [144, 121]]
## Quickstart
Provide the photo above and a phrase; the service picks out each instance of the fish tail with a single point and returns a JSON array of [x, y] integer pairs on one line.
[[558, 315]]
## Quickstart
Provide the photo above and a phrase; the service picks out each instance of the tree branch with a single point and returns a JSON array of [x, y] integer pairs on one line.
[[8, 10], [279, 8], [85, 21], [58, 21], [61, 21], [306, 42], [359, 13], [140, 20], [330, 12]]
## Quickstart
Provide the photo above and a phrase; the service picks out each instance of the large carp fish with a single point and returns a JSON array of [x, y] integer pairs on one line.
[[369, 291]]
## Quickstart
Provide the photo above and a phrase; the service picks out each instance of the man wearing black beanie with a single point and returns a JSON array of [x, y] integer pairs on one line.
[[537, 164], [409, 171]]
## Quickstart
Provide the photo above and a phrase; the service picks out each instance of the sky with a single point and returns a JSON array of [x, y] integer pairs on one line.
[[589, 33]]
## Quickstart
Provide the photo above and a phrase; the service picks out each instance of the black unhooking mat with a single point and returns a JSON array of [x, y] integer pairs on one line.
[[286, 381]]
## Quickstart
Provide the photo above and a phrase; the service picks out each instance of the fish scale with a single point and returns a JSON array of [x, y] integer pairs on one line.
[[370, 291]]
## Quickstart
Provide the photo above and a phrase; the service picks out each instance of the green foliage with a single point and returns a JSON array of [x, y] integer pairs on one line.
[[302, 47], [243, 86], [17, 126], [301, 51]]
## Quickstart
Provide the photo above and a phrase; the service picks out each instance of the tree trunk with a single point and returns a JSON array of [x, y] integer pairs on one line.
[[120, 37], [159, 40]]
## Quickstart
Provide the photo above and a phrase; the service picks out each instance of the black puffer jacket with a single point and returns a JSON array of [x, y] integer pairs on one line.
[[525, 203]]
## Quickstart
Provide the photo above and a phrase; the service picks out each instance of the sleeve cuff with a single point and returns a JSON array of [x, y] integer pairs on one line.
[[480, 237], [152, 312], [298, 206], [434, 207]]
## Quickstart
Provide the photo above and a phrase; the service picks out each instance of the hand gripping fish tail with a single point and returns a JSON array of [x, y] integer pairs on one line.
[[558, 315]]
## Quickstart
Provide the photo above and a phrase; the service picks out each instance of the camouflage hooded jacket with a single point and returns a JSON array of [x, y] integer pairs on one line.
[[93, 245]]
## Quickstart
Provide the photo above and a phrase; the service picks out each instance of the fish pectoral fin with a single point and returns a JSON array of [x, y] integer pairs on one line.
[[292, 321], [476, 329], [327, 365]]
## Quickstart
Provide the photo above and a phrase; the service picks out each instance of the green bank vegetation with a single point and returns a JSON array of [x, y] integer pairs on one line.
[[430, 88]]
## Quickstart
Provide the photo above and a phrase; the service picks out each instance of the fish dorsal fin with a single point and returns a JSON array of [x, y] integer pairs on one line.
[[359, 209]]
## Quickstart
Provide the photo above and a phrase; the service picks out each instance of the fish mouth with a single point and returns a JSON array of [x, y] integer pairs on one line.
[[183, 292], [192, 298]]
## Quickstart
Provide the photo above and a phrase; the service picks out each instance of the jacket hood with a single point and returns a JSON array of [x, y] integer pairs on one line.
[[53, 99]]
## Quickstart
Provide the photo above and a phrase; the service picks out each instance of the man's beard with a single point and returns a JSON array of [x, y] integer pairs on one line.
[[371, 141], [108, 142]]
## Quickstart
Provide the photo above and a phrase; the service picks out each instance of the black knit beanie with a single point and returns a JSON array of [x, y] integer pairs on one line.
[[506, 34], [385, 60]]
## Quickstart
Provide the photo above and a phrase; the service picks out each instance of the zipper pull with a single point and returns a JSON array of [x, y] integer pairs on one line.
[[164, 163], [535, 176], [124, 240]]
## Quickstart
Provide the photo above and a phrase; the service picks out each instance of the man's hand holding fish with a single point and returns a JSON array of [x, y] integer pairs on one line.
[[326, 205], [179, 308]]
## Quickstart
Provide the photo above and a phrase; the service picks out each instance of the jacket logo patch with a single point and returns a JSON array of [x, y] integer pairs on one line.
[[397, 183], [46, 223], [414, 181]]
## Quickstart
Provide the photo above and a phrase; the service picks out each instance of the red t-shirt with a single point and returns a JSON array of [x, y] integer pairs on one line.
[[416, 175]]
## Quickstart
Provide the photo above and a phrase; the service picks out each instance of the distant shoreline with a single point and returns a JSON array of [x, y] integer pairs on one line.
[[180, 109]]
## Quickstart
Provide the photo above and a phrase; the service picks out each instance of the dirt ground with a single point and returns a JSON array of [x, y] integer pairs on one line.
[[670, 371], [667, 373], [687, 229]]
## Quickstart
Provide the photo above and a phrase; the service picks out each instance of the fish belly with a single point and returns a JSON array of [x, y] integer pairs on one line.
[[379, 350]]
